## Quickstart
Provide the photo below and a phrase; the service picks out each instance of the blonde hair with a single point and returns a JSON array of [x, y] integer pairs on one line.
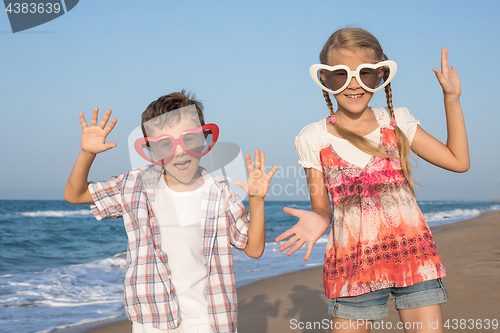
[[356, 38]]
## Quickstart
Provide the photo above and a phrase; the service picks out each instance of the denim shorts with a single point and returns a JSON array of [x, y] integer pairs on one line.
[[373, 305]]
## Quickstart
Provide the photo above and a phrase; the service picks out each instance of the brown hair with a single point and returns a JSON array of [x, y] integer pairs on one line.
[[169, 103], [356, 38]]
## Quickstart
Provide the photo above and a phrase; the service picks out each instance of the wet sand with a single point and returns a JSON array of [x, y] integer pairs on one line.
[[470, 251]]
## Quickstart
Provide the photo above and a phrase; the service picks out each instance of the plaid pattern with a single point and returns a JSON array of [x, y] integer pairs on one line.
[[149, 296]]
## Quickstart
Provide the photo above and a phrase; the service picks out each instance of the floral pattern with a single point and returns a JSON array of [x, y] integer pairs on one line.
[[379, 237]]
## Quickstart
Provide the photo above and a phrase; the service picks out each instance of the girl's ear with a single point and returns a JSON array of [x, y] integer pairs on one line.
[[322, 77], [381, 75]]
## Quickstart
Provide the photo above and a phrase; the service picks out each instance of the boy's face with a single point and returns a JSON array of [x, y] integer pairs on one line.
[[182, 168]]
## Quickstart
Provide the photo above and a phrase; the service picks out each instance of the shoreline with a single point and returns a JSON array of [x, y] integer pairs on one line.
[[470, 251]]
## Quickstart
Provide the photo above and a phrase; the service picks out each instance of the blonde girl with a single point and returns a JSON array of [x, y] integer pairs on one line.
[[379, 243]]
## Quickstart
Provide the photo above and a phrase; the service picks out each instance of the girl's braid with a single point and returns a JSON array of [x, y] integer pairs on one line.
[[404, 146], [328, 102], [388, 95]]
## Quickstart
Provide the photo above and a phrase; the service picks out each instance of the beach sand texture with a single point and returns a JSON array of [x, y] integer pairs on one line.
[[470, 251]]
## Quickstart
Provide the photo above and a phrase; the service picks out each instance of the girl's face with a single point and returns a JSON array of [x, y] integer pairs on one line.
[[353, 99]]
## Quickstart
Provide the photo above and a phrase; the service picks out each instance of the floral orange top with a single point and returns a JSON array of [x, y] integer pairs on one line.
[[379, 237]]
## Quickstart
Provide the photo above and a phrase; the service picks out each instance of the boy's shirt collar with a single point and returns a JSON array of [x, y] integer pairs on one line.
[[152, 173]]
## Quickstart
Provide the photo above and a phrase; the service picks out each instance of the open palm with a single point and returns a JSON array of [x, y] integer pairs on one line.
[[94, 137], [308, 229], [258, 180]]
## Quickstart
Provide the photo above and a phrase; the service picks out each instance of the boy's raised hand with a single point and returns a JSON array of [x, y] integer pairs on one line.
[[94, 137], [258, 180]]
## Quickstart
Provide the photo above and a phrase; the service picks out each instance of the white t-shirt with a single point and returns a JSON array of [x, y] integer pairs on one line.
[[308, 146], [181, 231]]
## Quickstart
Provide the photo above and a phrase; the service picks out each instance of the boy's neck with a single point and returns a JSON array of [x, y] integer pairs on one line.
[[177, 186]]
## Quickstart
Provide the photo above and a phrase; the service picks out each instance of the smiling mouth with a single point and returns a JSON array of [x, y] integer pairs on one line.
[[182, 166], [354, 96]]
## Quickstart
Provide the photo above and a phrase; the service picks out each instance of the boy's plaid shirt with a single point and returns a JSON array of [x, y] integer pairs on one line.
[[149, 296]]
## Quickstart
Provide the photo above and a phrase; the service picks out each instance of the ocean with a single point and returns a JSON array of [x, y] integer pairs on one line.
[[60, 267]]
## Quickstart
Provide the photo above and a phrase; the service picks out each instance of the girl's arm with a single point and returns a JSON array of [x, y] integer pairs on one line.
[[312, 224], [453, 156], [256, 187], [93, 142]]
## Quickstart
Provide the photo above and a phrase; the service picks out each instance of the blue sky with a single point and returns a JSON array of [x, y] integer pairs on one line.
[[248, 62]]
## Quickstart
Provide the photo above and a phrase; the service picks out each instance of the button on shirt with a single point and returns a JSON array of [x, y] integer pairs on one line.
[[149, 296]]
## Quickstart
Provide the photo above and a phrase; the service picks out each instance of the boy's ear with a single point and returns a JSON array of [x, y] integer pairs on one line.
[[148, 148]]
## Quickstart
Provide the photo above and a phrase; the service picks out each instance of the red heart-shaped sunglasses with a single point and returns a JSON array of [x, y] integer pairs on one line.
[[163, 147]]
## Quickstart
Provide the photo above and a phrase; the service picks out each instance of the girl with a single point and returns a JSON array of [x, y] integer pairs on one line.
[[379, 242]]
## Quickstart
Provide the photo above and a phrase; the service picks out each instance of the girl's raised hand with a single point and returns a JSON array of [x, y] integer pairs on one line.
[[309, 229], [448, 77], [258, 180], [94, 137]]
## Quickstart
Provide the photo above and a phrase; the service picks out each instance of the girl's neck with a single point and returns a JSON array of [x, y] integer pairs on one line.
[[360, 123], [352, 117]]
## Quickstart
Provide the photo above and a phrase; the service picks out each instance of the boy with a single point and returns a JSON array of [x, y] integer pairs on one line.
[[180, 220]]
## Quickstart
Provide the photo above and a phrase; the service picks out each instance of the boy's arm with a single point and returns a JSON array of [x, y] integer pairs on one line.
[[256, 187], [93, 142], [77, 191]]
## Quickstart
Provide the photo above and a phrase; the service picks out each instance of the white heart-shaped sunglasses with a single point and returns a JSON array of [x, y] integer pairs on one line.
[[371, 77]]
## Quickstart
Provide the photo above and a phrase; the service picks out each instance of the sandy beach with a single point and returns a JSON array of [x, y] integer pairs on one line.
[[470, 251]]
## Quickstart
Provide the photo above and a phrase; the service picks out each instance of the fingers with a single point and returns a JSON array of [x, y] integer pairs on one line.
[[248, 161], [262, 162], [445, 65], [444, 58], [93, 121], [297, 245], [284, 235], [295, 248], [296, 242], [82, 120], [293, 211], [438, 73], [273, 170], [291, 241], [104, 120], [257, 160], [309, 251], [110, 145], [241, 184], [259, 163], [111, 125]]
